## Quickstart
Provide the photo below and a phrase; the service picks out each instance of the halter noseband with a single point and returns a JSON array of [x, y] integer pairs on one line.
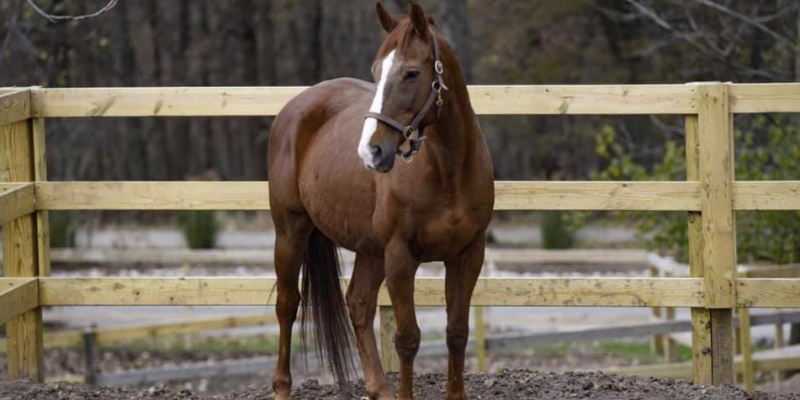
[[434, 98]]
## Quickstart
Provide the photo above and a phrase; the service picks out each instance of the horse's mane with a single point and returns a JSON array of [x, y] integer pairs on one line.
[[400, 38]]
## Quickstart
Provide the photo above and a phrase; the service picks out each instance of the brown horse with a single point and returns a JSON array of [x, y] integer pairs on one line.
[[394, 217]]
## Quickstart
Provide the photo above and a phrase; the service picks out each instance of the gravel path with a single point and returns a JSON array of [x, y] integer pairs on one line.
[[511, 385]]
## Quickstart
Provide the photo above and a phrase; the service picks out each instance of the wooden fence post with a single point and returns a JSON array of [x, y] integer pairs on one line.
[[480, 339], [21, 253], [388, 329], [42, 217], [701, 318], [745, 342], [89, 356], [657, 341], [715, 162]]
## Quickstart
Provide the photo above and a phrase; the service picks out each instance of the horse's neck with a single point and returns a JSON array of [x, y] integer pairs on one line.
[[456, 140]]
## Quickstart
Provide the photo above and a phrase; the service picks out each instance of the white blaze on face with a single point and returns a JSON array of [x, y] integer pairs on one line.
[[371, 124]]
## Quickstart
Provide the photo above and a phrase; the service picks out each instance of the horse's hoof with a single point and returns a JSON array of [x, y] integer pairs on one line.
[[282, 396]]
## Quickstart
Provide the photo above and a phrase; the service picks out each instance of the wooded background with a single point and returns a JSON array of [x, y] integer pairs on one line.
[[302, 42]]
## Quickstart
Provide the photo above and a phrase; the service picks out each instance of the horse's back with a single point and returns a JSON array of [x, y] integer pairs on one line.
[[328, 112], [321, 102]]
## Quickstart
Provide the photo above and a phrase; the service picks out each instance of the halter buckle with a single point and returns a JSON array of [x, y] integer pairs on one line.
[[408, 132]]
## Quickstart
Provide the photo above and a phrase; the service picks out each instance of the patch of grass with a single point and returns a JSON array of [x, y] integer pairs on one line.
[[684, 353], [641, 350], [62, 229], [556, 232], [630, 350], [199, 228], [546, 350]]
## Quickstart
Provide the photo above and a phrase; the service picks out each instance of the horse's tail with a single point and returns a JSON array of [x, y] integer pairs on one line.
[[322, 298]]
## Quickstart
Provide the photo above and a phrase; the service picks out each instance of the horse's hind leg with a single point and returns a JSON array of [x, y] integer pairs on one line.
[[291, 239], [460, 278], [362, 298]]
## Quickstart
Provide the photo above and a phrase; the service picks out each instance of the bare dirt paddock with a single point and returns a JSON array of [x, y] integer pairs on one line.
[[516, 385]]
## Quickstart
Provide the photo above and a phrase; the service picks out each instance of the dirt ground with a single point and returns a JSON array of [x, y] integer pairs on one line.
[[516, 385]]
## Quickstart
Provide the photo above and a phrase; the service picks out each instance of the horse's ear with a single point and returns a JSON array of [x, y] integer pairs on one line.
[[387, 21], [418, 18]]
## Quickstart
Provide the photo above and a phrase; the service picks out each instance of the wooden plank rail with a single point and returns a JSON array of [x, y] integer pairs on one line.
[[613, 292], [487, 100], [108, 336], [510, 195], [499, 100], [16, 202], [18, 300], [578, 292], [765, 97], [267, 101], [15, 106], [254, 195]]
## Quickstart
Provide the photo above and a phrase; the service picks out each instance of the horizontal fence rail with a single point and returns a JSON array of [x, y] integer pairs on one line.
[[15, 107], [255, 291], [510, 195], [260, 101], [16, 201], [18, 299], [486, 100]]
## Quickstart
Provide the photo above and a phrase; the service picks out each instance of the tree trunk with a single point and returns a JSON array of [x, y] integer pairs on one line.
[[455, 26]]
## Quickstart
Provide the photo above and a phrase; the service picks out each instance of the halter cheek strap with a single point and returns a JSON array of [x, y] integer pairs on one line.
[[437, 85]]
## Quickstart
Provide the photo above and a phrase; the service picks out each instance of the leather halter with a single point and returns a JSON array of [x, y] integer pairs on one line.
[[414, 126]]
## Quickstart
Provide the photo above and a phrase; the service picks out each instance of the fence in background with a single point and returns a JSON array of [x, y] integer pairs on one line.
[[710, 196]]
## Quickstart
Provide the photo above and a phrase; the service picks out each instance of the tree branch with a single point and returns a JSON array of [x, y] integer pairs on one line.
[[11, 29], [748, 20], [53, 18]]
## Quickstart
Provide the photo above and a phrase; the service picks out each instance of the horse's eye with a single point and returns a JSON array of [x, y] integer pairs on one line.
[[411, 74]]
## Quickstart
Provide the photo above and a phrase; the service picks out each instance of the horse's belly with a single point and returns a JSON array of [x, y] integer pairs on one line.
[[340, 202], [346, 230]]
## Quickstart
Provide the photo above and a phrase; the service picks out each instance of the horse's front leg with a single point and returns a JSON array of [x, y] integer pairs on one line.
[[460, 277], [401, 267], [362, 299]]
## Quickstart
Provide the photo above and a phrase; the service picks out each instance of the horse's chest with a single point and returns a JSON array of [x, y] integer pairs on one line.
[[443, 235]]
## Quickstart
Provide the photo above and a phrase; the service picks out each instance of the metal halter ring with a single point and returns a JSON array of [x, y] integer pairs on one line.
[[436, 86], [438, 67]]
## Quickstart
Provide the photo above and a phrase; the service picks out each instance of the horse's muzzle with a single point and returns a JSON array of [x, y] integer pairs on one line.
[[379, 157], [385, 164]]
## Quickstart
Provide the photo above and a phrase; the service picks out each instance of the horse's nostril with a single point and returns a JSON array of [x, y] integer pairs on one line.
[[375, 150]]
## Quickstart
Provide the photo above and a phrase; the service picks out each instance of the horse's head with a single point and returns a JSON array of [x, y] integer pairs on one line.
[[408, 73]]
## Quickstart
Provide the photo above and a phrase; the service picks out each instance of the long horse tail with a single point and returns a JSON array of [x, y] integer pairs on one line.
[[323, 301]]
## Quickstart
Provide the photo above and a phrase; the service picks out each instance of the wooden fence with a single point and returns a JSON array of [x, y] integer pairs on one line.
[[710, 196]]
